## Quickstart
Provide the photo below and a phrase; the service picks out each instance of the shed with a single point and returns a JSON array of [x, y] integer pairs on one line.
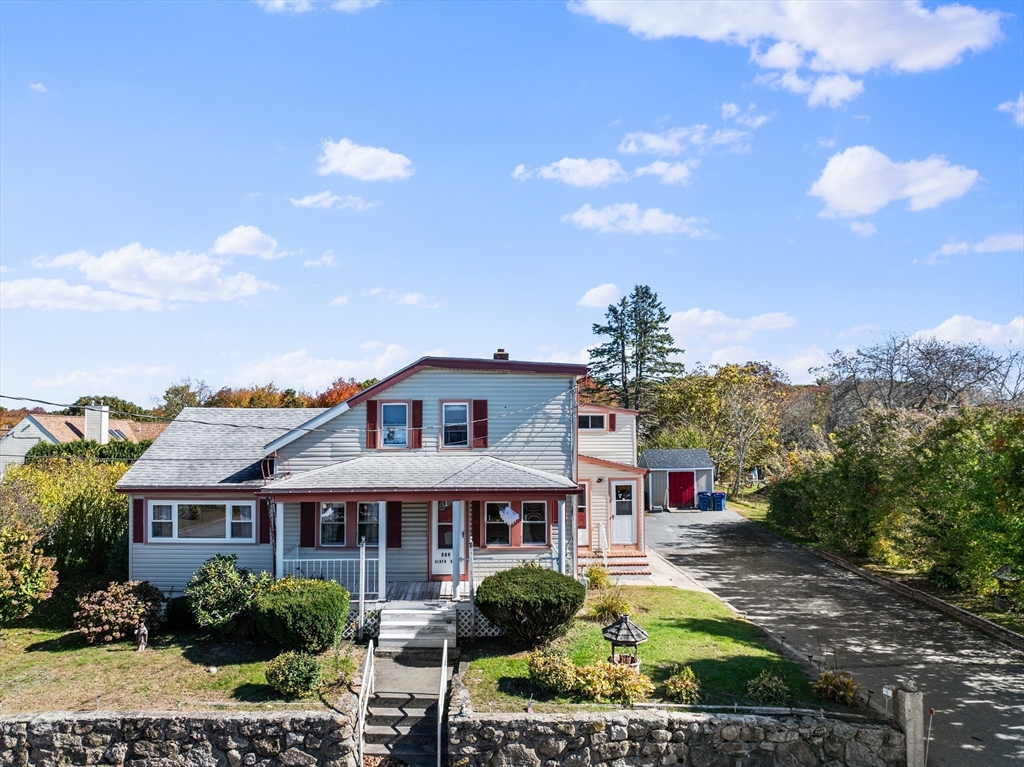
[[675, 477]]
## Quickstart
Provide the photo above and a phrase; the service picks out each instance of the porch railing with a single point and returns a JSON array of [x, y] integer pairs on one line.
[[344, 571]]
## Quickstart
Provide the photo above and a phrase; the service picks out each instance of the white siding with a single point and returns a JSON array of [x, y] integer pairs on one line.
[[18, 441], [702, 481], [409, 563], [529, 419], [489, 561], [618, 445], [598, 500], [659, 485], [170, 566]]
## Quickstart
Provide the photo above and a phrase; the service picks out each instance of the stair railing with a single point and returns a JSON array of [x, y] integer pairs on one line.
[[365, 691], [441, 691], [602, 542]]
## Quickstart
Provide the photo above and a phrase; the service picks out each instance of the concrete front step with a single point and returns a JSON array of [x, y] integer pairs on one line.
[[417, 625], [414, 756]]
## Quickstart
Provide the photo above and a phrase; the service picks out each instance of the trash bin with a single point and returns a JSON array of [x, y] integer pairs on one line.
[[718, 501], [704, 501]]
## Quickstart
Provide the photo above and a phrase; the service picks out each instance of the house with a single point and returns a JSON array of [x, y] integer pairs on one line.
[[447, 464], [95, 425], [676, 476]]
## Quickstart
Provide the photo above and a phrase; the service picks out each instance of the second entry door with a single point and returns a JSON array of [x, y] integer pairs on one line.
[[623, 512]]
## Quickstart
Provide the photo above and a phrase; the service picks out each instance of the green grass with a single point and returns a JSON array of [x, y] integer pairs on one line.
[[685, 628]]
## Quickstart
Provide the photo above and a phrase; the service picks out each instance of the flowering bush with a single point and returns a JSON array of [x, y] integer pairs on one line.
[[114, 613]]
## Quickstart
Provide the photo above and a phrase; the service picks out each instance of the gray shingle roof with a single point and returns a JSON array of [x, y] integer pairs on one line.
[[690, 458], [213, 447], [424, 471]]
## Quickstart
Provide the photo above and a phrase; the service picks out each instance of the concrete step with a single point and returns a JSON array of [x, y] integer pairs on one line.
[[394, 717], [426, 630], [421, 732], [403, 701], [412, 755], [417, 619]]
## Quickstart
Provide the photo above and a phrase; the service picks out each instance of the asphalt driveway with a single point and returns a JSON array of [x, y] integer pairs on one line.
[[974, 683]]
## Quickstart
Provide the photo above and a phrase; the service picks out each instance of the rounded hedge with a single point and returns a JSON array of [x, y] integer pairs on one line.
[[294, 674], [302, 614], [530, 604]]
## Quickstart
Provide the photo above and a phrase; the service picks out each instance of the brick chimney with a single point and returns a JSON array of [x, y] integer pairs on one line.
[[97, 423], [501, 354]]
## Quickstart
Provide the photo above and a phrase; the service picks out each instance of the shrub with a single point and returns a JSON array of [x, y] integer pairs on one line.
[[178, 615], [294, 674], [26, 576], [605, 681], [115, 612], [302, 614], [530, 604], [553, 672], [598, 577], [221, 594], [836, 685], [768, 689], [593, 682], [609, 606], [683, 687]]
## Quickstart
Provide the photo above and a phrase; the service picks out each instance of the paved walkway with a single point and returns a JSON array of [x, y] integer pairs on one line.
[[974, 682]]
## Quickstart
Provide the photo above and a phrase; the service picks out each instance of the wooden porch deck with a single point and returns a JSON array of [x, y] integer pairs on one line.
[[423, 591]]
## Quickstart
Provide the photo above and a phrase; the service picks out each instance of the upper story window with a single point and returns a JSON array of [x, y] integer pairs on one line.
[[591, 422], [394, 418], [200, 521], [455, 424], [332, 524]]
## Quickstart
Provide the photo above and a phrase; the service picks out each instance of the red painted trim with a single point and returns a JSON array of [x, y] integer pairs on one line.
[[350, 494], [611, 421], [308, 536], [372, 422], [586, 407], [139, 520], [586, 511], [415, 431], [393, 509], [480, 425], [613, 464], [263, 534]]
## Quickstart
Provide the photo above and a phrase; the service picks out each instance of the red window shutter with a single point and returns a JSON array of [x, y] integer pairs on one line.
[[138, 520], [416, 433], [479, 423], [264, 521], [611, 422], [474, 515], [307, 525], [394, 512], [371, 424]]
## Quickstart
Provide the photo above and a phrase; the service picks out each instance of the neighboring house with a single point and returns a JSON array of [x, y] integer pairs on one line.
[[56, 429], [676, 476]]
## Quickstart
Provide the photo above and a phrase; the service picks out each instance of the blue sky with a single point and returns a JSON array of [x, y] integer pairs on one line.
[[293, 191]]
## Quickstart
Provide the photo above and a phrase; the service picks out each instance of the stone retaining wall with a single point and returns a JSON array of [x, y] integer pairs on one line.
[[181, 740]]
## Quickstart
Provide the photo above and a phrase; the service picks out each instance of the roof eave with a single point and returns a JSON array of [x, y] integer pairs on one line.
[[313, 423], [271, 490]]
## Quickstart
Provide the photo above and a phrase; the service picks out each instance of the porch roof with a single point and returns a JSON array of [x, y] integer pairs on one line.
[[423, 473]]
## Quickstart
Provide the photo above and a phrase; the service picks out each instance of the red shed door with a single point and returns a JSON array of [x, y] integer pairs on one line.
[[680, 489]]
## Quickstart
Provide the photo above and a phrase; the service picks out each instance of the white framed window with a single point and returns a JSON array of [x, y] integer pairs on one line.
[[535, 523], [591, 422], [368, 523], [394, 424], [200, 521], [332, 524], [581, 506], [455, 424], [496, 532]]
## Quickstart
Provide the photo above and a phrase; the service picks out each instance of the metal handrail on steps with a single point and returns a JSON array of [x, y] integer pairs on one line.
[[602, 542], [365, 691], [441, 691]]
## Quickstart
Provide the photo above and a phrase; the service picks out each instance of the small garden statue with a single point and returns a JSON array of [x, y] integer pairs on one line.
[[142, 636]]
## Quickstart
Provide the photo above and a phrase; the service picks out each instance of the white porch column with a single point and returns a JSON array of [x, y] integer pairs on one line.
[[574, 501], [382, 550], [456, 547], [561, 537], [279, 540]]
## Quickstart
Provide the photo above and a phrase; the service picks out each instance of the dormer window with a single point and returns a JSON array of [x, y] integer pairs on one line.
[[394, 417], [591, 422]]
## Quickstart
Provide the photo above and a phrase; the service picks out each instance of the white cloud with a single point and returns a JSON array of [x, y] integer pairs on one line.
[[863, 228], [677, 140], [797, 366], [576, 171], [248, 241], [710, 326], [827, 143], [327, 259], [339, 301], [601, 296], [332, 202], [738, 354], [302, 6], [832, 40], [298, 369], [37, 293], [104, 376], [371, 344], [181, 276], [994, 243], [415, 299], [628, 217], [861, 180], [1014, 108], [678, 173], [749, 118], [3, 269], [366, 163], [962, 328], [38, 87]]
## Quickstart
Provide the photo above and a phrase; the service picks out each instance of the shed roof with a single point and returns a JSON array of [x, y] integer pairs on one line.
[[689, 458], [624, 632]]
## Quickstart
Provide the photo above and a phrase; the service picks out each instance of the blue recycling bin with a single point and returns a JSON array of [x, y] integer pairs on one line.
[[704, 501], [718, 501]]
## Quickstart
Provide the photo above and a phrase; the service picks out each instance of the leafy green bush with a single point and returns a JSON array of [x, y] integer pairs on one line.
[[553, 671], [302, 614], [609, 606], [221, 594], [836, 685], [115, 612], [123, 451], [530, 604], [178, 615], [294, 674], [683, 687], [598, 577], [26, 576], [768, 689], [605, 681]]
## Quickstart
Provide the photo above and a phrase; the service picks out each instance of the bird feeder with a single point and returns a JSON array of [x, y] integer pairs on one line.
[[625, 635], [1007, 582]]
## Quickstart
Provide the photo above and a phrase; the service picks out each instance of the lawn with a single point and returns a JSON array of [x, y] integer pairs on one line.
[[45, 666], [685, 628]]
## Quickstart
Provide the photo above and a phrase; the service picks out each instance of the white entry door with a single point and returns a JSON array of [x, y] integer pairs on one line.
[[441, 531], [623, 512]]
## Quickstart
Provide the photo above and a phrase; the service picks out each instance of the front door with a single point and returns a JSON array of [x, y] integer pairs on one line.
[[442, 530], [680, 489], [623, 512]]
